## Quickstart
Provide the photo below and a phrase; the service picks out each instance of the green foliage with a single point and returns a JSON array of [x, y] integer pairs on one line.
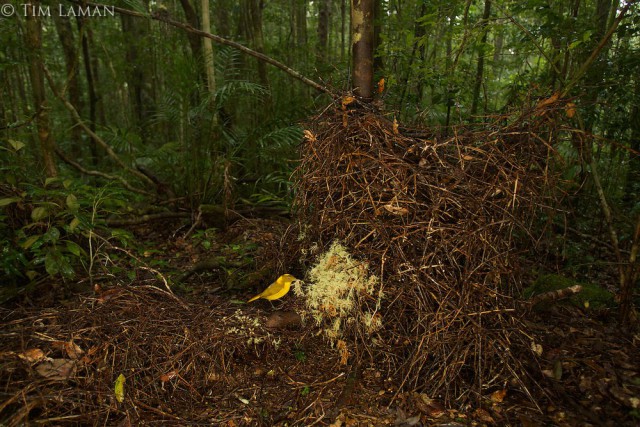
[[45, 228]]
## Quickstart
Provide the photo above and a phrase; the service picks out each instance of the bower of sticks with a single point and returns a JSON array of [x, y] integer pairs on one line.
[[443, 222]]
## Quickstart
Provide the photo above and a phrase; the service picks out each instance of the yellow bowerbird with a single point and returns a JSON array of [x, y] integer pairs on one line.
[[277, 289]]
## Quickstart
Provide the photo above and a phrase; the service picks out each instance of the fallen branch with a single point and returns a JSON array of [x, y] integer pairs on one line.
[[556, 295]]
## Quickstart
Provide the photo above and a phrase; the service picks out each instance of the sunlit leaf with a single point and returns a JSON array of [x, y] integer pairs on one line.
[[39, 213], [74, 248], [50, 180], [51, 263], [9, 200], [74, 224], [119, 388], [30, 241], [16, 145], [72, 202]]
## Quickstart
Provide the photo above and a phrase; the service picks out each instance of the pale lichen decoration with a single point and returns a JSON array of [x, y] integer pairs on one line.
[[338, 284]]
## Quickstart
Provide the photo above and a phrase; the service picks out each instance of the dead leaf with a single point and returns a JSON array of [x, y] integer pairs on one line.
[[33, 355], [396, 210], [309, 136], [395, 126], [69, 348], [430, 407], [168, 376], [108, 294], [347, 100], [57, 369], [498, 396], [483, 416], [381, 85], [536, 348], [344, 352], [467, 157], [570, 109]]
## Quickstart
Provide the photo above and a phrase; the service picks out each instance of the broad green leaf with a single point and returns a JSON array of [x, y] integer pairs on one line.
[[39, 213], [575, 44], [30, 241], [50, 180], [119, 388], [31, 274], [67, 183], [51, 263], [16, 145], [52, 235], [8, 201], [74, 248], [75, 222], [65, 267], [72, 202]]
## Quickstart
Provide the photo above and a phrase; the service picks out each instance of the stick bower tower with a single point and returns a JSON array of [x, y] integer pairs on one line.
[[440, 221]]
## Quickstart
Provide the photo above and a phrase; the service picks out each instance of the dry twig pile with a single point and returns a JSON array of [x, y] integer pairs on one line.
[[438, 221]]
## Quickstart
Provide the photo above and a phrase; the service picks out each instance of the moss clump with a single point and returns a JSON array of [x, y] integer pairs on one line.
[[591, 296], [338, 285]]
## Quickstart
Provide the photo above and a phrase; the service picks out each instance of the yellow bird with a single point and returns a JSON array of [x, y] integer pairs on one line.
[[277, 289]]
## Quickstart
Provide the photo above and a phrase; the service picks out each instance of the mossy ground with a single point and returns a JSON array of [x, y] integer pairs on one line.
[[591, 296]]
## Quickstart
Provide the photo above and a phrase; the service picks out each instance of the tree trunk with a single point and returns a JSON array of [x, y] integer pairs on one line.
[[208, 49], [480, 69], [362, 47], [195, 41], [33, 33], [65, 35], [300, 22], [251, 28], [93, 97], [324, 11], [136, 32]]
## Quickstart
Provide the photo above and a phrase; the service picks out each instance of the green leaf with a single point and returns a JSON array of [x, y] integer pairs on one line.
[[575, 44], [74, 248], [65, 268], [75, 222], [67, 183], [16, 145], [119, 388], [50, 180], [30, 241], [39, 213], [51, 263], [72, 202], [8, 201], [52, 235]]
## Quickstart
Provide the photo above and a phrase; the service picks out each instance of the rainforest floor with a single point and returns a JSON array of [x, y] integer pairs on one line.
[[127, 348]]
